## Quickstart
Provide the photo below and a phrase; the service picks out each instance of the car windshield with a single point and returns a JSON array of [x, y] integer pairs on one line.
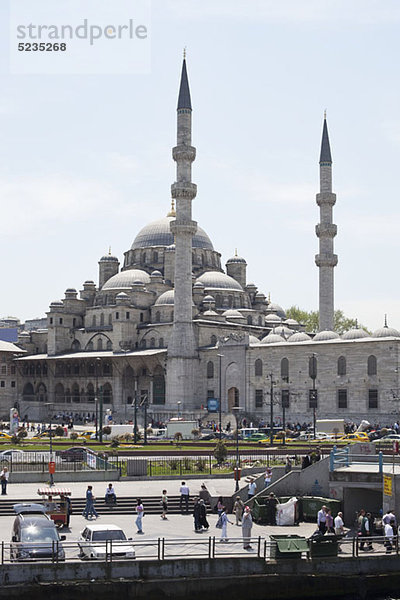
[[108, 534], [39, 534]]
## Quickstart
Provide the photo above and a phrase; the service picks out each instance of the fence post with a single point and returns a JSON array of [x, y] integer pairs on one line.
[[380, 458], [210, 465], [163, 549], [347, 449], [159, 549], [180, 467], [213, 547], [2, 552], [259, 547], [265, 549], [150, 467], [209, 546]]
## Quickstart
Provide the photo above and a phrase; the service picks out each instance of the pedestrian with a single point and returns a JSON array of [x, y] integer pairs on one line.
[[305, 462], [224, 522], [365, 531], [184, 499], [247, 524], [164, 504], [288, 465], [4, 475], [203, 515], [389, 534], [196, 515], [140, 515], [339, 525], [329, 521], [66, 501], [271, 504], [89, 509], [267, 477], [321, 519], [252, 489], [390, 516], [220, 505], [238, 508]]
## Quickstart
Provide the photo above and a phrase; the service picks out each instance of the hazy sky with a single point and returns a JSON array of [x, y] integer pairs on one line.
[[85, 160]]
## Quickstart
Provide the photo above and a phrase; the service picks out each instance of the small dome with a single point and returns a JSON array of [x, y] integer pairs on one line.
[[122, 296], [300, 336], [170, 248], [291, 322], [109, 258], [272, 318], [70, 291], [198, 285], [166, 298], [325, 336], [355, 334], [156, 274], [57, 303], [283, 331], [275, 308], [210, 313], [126, 279], [236, 259], [232, 314], [386, 332], [272, 338], [253, 340], [218, 280], [208, 298]]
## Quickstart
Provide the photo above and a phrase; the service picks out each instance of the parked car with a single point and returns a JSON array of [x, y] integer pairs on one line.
[[73, 454], [256, 437], [393, 437], [34, 535], [358, 436], [93, 542], [4, 436], [86, 434], [8, 455]]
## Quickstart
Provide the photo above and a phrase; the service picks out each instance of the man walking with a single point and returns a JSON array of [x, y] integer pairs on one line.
[[184, 499], [252, 489], [321, 519], [89, 508]]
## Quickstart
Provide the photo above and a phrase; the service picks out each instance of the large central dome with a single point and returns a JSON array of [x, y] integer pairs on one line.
[[158, 233]]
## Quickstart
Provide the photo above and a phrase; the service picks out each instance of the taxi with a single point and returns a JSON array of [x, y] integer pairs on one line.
[[358, 436], [4, 436]]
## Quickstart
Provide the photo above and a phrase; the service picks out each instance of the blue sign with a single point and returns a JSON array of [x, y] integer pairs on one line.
[[212, 405]]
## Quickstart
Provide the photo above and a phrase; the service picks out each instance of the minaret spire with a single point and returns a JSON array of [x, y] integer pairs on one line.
[[182, 348], [326, 231]]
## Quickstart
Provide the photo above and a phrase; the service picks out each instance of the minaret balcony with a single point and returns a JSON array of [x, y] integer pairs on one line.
[[327, 230], [184, 189], [326, 260], [326, 198], [189, 228], [184, 153]]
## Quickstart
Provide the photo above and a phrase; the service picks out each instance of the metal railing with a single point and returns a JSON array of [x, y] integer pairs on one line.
[[343, 458], [171, 548]]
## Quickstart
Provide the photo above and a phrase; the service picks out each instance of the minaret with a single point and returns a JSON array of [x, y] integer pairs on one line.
[[182, 351], [326, 260]]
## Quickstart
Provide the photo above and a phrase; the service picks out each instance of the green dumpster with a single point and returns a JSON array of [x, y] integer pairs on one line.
[[288, 546], [259, 511], [324, 546], [312, 504]]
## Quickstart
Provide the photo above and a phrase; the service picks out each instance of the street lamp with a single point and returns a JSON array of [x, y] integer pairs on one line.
[[179, 409], [235, 410], [97, 364], [312, 371], [49, 404], [135, 407], [220, 395]]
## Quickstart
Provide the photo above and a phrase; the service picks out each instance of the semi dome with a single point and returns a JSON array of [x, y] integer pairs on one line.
[[166, 298], [219, 281], [355, 334], [158, 233], [325, 336], [300, 336], [126, 279], [272, 338]]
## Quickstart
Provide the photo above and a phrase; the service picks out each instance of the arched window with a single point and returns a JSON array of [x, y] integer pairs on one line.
[[161, 343], [213, 340], [218, 300], [230, 301], [107, 394], [158, 316], [93, 320], [90, 393], [91, 369], [259, 320], [249, 320], [76, 397], [110, 319], [152, 342], [41, 393], [371, 366], [102, 319], [341, 365], [90, 346], [143, 343], [28, 393], [210, 369], [258, 367], [38, 369], [155, 257], [285, 369], [106, 368], [100, 344], [76, 346], [109, 345], [59, 393]]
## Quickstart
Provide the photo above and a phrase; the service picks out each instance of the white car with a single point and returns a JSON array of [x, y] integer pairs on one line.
[[96, 541]]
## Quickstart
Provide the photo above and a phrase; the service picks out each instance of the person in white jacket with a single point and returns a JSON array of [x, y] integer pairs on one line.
[[224, 521]]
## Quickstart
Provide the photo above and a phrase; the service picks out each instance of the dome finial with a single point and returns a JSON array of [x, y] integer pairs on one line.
[[269, 297], [172, 212], [385, 325], [109, 250], [184, 53], [325, 115], [236, 252]]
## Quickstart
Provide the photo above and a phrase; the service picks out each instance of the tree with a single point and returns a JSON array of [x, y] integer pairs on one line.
[[73, 436], [220, 451], [310, 319], [178, 437], [59, 431], [106, 430]]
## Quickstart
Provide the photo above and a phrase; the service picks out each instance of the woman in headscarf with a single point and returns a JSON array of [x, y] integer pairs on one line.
[[247, 524]]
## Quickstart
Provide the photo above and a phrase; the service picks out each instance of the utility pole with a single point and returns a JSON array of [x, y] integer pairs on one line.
[[135, 412]]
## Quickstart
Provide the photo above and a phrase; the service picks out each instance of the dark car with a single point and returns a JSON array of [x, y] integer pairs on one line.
[[34, 535], [74, 454]]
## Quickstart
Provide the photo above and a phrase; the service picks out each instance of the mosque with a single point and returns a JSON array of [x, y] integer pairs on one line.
[[173, 331]]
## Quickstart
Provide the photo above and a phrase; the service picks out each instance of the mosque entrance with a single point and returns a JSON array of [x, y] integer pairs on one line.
[[233, 398]]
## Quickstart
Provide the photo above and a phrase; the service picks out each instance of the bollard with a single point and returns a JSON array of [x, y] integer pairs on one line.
[[380, 462]]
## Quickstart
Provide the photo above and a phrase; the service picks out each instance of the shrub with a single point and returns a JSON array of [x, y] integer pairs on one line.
[[178, 437], [173, 464], [114, 443], [22, 433], [107, 430], [187, 464], [201, 465], [15, 439], [59, 431], [220, 451], [195, 433], [73, 436]]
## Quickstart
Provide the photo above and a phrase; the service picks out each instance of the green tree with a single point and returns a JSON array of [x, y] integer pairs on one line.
[[310, 319], [220, 451]]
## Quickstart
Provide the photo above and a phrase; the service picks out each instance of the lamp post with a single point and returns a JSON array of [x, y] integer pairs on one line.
[[49, 404], [97, 363], [145, 422], [236, 410], [135, 412], [220, 356], [179, 409], [312, 370]]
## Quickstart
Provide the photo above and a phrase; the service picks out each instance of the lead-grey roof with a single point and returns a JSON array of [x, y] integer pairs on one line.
[[325, 156], [126, 279], [158, 233], [184, 92], [216, 280]]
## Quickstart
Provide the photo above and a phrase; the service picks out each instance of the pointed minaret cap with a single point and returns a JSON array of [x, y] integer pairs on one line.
[[184, 92], [325, 156]]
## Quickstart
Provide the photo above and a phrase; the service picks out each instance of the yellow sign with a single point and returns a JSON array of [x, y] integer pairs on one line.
[[387, 485]]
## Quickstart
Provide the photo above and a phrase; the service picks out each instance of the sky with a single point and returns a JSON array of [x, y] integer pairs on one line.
[[85, 160]]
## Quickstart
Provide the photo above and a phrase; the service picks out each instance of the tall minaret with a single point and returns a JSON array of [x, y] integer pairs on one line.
[[182, 353], [326, 260]]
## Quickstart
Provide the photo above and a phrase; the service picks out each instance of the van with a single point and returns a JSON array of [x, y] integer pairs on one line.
[[248, 431]]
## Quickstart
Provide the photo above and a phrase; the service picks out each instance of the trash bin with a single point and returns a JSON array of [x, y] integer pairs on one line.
[[312, 504], [288, 546], [324, 546], [259, 511]]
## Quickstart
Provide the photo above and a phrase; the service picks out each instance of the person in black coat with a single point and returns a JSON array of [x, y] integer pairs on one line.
[[203, 515], [196, 515]]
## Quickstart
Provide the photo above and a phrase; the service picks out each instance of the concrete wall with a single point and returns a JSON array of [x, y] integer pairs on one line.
[[111, 474]]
